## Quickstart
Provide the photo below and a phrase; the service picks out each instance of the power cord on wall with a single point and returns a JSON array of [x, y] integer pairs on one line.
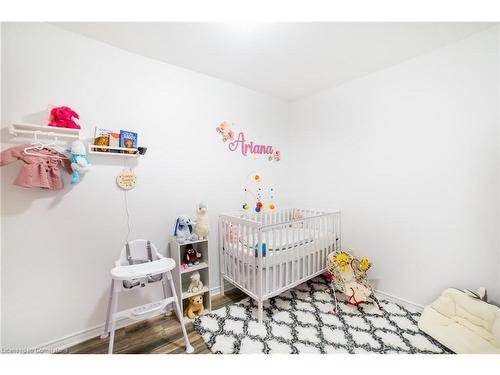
[[125, 165]]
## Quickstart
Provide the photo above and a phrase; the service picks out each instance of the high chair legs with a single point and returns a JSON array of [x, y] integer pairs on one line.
[[108, 314], [114, 305], [189, 348]]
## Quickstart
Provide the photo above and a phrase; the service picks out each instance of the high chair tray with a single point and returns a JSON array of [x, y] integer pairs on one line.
[[142, 270]]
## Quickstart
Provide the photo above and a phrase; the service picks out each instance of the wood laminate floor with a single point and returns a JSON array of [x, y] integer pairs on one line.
[[161, 334]]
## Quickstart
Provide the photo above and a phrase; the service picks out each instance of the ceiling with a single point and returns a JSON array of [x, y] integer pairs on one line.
[[287, 60]]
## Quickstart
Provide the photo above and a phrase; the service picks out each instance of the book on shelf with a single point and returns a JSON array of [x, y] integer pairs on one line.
[[128, 140], [114, 141], [101, 138]]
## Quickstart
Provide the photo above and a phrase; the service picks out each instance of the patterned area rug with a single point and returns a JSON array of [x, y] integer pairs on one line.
[[301, 320]]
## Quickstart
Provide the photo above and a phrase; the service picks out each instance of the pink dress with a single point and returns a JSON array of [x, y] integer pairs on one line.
[[37, 171]]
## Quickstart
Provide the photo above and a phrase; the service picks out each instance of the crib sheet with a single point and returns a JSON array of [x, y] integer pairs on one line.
[[277, 240]]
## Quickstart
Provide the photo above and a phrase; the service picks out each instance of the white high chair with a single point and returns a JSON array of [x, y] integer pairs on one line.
[[138, 266]]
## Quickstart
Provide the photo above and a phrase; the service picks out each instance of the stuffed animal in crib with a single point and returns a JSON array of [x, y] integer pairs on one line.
[[63, 117], [191, 256], [196, 285], [201, 227], [79, 162], [195, 307], [184, 229]]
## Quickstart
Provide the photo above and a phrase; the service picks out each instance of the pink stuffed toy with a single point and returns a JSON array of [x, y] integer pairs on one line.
[[62, 117]]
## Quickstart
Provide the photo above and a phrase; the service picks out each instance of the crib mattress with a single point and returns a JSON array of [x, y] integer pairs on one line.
[[296, 239], [276, 240]]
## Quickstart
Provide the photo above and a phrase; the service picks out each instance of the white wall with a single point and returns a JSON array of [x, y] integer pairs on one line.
[[58, 246], [410, 156]]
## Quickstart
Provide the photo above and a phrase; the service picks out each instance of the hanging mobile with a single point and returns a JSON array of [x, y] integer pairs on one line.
[[126, 179]]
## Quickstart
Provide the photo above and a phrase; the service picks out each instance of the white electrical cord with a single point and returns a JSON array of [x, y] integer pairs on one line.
[[126, 203]]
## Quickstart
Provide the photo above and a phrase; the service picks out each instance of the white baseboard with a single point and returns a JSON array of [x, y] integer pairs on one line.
[[412, 306], [80, 336], [87, 334]]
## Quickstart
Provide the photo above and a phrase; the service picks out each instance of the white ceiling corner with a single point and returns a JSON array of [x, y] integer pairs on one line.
[[287, 60]]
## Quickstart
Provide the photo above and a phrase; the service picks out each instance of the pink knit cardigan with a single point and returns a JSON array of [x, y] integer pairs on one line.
[[37, 171]]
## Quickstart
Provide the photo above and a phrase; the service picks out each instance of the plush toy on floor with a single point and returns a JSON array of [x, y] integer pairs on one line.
[[184, 229], [196, 284], [191, 256], [348, 275], [79, 162], [201, 227], [195, 307]]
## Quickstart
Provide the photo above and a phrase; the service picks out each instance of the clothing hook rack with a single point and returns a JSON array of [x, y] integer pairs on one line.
[[18, 129]]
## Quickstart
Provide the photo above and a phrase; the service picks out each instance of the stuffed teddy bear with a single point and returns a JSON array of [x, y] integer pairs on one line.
[[191, 256], [79, 162], [195, 307], [196, 285], [184, 229], [62, 117], [201, 228]]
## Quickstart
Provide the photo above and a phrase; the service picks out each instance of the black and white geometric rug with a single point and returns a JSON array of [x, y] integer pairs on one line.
[[301, 320]]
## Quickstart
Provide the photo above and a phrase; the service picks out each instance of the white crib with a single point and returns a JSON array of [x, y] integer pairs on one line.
[[265, 254]]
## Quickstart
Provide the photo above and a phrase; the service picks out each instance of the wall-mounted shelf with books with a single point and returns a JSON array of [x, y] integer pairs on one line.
[[115, 143], [113, 151]]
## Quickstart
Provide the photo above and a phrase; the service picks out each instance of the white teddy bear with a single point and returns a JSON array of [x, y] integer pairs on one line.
[[196, 284]]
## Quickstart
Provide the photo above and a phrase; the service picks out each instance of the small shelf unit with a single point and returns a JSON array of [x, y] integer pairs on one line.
[[182, 277], [94, 149]]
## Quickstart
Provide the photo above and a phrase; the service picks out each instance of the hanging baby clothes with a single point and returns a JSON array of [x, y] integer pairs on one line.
[[37, 171]]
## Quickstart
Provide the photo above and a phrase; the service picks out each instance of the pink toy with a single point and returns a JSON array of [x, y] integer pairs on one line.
[[62, 117]]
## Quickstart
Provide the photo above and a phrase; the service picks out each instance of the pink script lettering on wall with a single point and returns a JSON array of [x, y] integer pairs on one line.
[[245, 146], [249, 147]]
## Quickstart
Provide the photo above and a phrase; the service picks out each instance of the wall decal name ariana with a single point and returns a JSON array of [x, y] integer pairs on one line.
[[246, 146]]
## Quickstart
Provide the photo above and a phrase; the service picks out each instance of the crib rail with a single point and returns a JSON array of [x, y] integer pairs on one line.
[[264, 254]]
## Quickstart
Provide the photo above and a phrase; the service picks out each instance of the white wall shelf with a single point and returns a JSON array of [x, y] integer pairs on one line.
[[113, 151], [18, 129], [182, 277]]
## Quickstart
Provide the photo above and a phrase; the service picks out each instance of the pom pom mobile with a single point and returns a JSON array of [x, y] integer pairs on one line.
[[256, 191]]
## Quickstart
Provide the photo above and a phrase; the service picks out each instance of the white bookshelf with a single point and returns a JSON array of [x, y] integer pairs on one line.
[[113, 151], [182, 276]]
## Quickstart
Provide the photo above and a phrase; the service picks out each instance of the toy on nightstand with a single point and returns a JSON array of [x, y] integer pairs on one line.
[[191, 256], [195, 307], [201, 227], [196, 284], [184, 229]]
